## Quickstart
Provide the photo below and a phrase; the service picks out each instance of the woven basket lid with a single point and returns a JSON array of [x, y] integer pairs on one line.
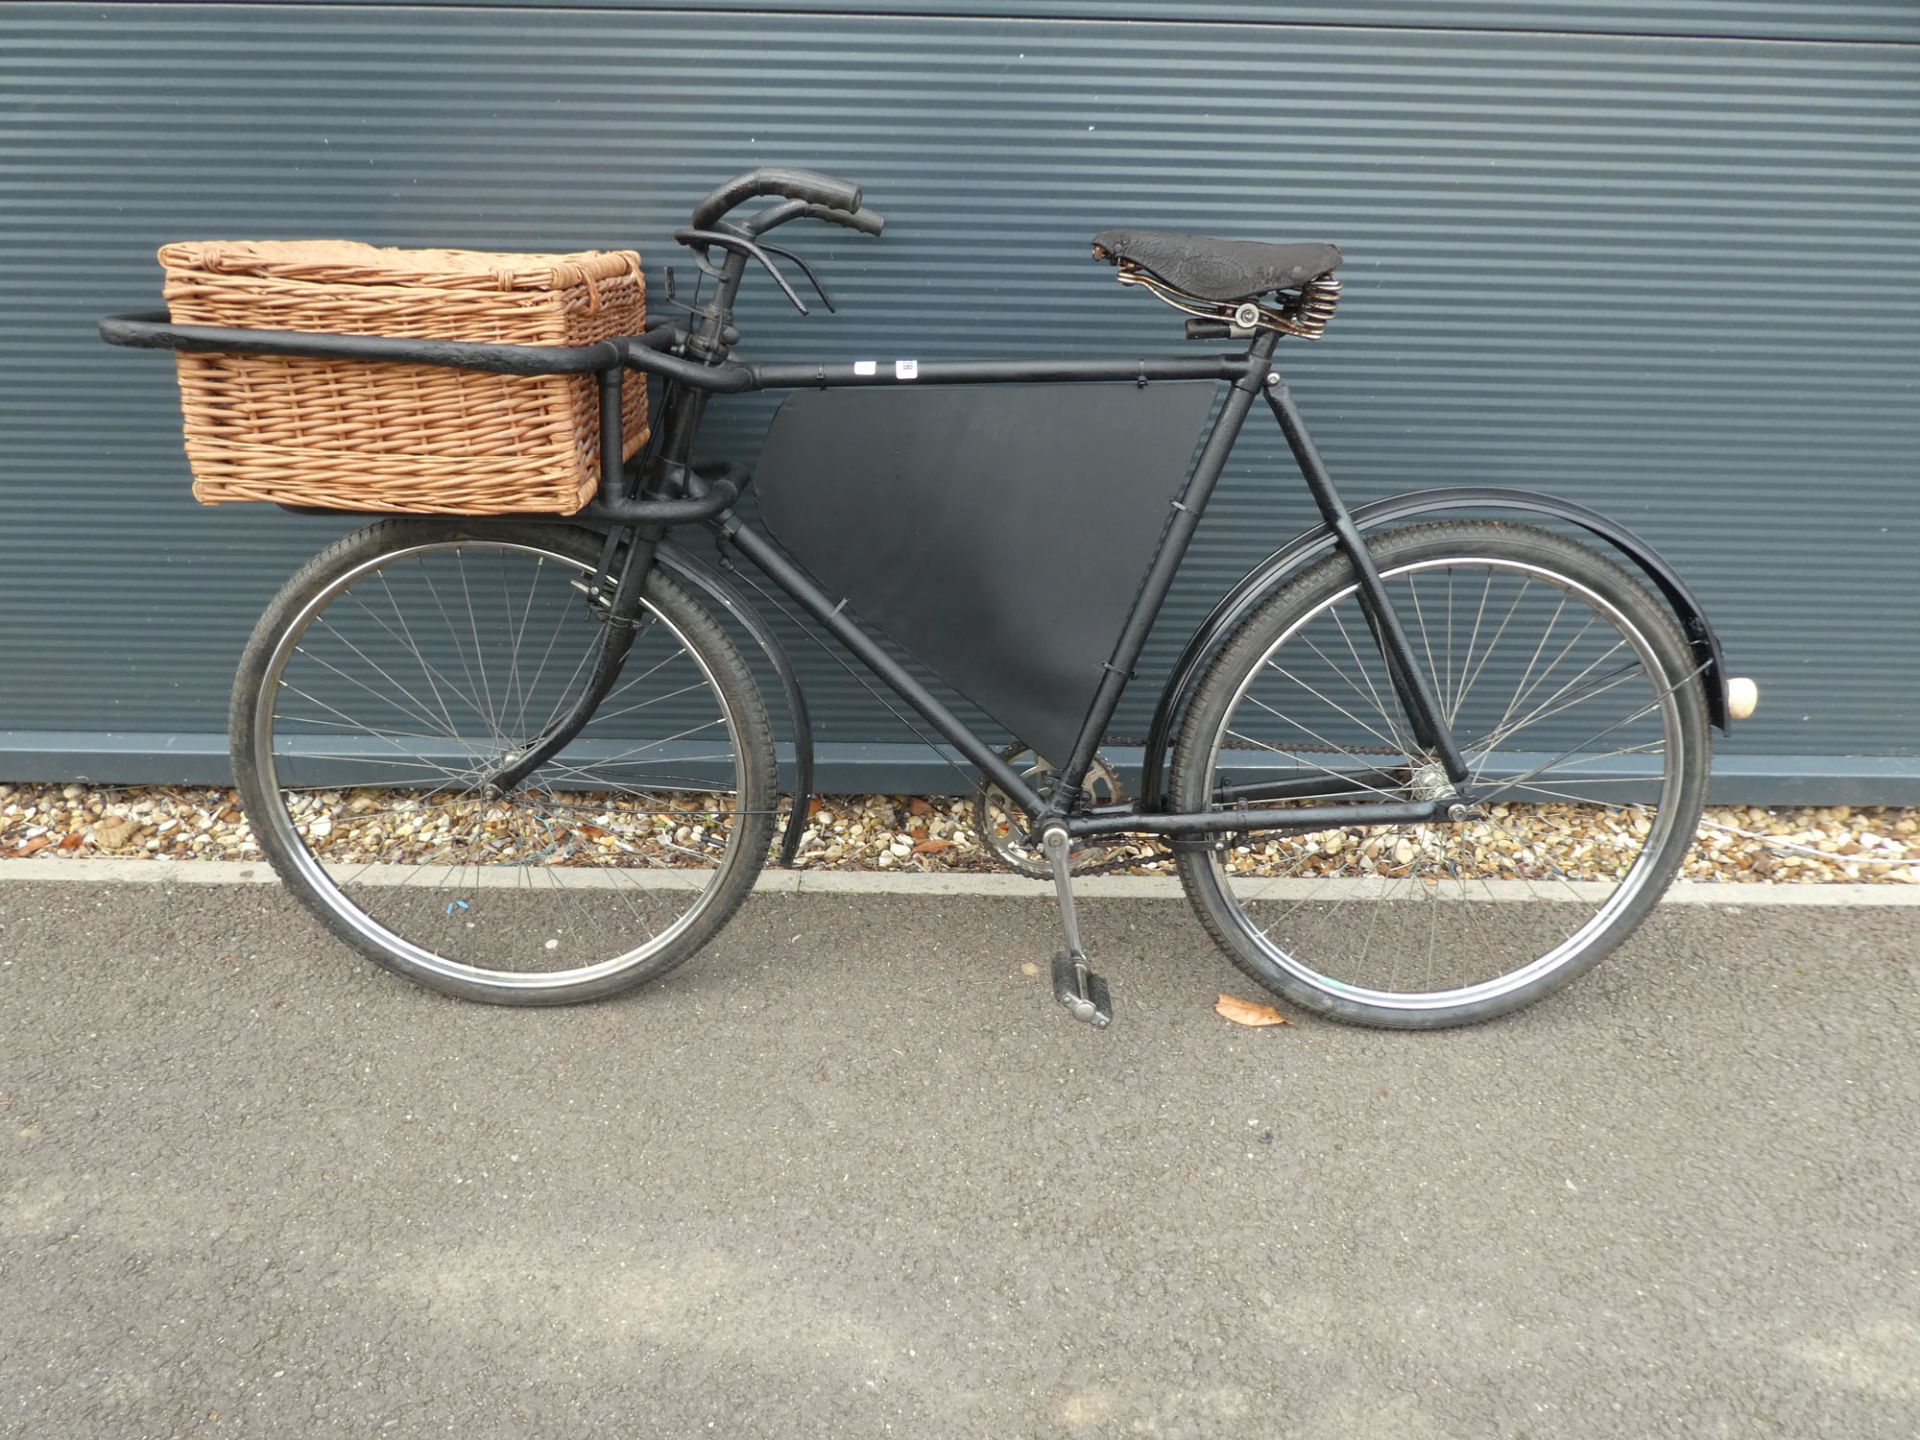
[[349, 262]]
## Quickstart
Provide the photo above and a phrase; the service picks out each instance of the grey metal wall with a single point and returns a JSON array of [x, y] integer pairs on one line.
[[1660, 258]]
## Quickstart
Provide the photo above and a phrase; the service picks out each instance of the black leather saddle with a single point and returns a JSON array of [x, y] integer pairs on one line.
[[1225, 270]]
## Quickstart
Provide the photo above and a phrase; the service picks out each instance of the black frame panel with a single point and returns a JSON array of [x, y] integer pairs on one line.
[[1002, 530]]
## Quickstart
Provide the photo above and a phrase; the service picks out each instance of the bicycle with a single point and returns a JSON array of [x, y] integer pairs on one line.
[[523, 760]]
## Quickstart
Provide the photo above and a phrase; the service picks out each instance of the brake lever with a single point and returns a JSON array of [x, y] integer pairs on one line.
[[706, 239], [806, 270]]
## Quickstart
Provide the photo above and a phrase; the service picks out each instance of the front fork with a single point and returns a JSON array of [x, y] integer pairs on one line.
[[616, 639]]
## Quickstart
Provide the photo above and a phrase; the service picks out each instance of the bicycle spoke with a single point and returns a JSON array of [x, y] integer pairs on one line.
[[459, 650], [1323, 699], [599, 715], [1396, 915], [413, 717], [1580, 749], [1420, 619], [1532, 660], [1549, 708], [358, 683], [1314, 765], [1360, 665], [473, 628], [1466, 685], [1466, 664], [405, 635]]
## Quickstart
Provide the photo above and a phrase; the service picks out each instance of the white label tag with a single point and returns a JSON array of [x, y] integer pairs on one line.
[[863, 367], [906, 369]]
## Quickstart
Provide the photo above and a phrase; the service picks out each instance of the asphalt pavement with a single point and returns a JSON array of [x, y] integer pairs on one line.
[[852, 1173]]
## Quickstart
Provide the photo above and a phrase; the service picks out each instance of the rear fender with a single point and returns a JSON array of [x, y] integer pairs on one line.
[[1241, 601]]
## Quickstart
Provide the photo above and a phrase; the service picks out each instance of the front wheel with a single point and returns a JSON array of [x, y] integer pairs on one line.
[[404, 667], [1578, 707]]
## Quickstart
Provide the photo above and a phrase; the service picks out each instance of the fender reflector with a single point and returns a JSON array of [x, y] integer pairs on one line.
[[1743, 697]]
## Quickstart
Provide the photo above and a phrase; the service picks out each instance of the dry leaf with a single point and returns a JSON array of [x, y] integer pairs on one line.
[[919, 806], [1248, 1012], [111, 834], [932, 847]]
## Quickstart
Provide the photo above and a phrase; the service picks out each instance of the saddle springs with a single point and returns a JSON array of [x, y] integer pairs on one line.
[[1305, 312]]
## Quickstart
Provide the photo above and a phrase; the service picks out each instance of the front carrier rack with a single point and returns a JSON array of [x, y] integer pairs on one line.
[[688, 496]]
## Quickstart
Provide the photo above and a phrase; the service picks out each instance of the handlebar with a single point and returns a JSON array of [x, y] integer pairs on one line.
[[808, 186]]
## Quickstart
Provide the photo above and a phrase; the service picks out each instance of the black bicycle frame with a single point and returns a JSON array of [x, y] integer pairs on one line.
[[668, 490], [1249, 375]]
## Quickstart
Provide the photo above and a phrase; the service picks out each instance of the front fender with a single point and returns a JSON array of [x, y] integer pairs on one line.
[[1239, 602], [684, 566]]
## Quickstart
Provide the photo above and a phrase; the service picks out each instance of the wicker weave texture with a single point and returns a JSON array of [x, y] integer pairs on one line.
[[410, 439]]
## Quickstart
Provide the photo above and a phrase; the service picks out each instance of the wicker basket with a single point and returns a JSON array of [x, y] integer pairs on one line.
[[414, 439]]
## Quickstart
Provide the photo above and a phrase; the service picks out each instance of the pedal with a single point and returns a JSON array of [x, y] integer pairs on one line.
[[1083, 993]]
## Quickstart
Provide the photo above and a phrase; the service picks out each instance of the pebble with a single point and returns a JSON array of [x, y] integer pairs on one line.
[[894, 832]]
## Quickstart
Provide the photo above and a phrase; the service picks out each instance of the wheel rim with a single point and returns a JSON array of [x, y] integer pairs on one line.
[[1564, 660], [596, 865]]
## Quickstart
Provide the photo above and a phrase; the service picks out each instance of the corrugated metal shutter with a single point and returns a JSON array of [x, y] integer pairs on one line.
[[1736, 19], [1672, 277]]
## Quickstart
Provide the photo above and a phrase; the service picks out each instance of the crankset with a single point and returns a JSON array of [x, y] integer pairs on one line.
[[1003, 825]]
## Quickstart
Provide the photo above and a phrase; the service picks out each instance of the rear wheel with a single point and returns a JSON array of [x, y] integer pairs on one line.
[[1577, 705], [402, 667]]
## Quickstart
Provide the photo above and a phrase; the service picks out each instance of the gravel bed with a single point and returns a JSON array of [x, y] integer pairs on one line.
[[1836, 844]]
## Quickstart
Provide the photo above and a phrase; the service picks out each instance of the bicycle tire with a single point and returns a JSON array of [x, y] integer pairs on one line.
[[376, 551], [1450, 547]]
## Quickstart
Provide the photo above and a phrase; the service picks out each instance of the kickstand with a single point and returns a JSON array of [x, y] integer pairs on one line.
[[1075, 985]]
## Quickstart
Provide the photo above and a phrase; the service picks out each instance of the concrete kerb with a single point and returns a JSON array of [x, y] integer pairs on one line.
[[114, 871]]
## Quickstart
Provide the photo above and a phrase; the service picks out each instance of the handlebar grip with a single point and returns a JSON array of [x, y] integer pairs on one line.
[[827, 191]]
